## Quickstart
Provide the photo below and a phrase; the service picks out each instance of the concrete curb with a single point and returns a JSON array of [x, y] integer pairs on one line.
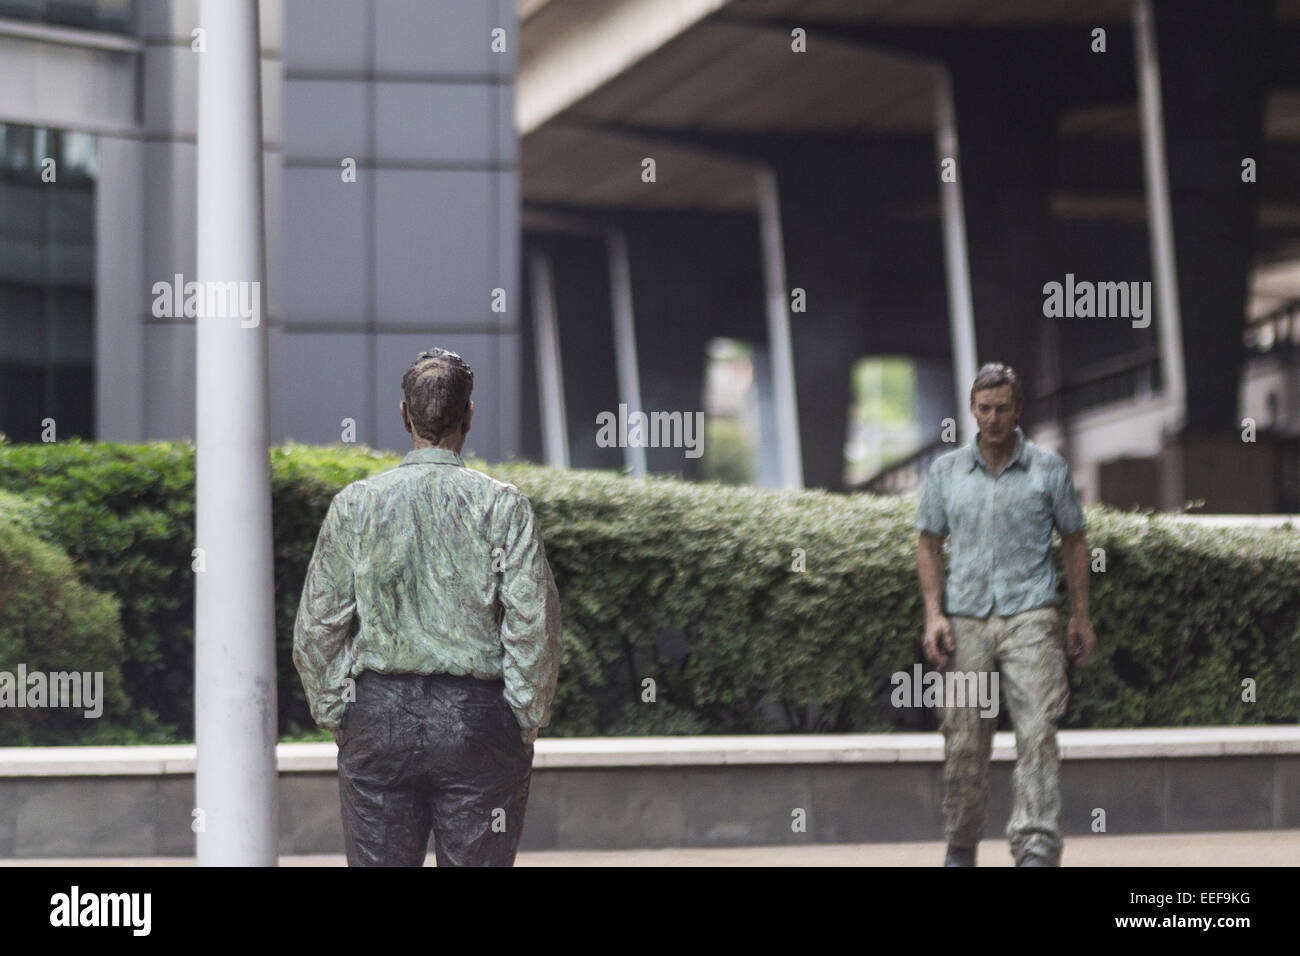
[[595, 752]]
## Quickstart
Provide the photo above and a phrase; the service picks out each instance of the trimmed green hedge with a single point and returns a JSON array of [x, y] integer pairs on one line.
[[691, 585]]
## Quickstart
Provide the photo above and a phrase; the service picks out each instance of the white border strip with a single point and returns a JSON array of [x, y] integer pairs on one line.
[[613, 36], [589, 752], [70, 36]]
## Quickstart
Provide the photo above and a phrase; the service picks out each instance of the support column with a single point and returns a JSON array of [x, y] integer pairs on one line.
[[550, 375], [234, 610], [1159, 218], [1211, 121], [629, 381], [961, 313], [778, 328]]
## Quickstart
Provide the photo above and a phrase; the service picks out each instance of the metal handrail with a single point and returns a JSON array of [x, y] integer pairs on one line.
[[1280, 328], [906, 474]]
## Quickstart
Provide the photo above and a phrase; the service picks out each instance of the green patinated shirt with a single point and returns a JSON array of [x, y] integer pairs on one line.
[[442, 571], [1000, 555]]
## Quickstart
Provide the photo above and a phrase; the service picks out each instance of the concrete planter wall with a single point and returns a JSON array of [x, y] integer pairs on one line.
[[621, 792]]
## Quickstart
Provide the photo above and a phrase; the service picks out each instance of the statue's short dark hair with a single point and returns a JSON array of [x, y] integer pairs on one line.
[[993, 374], [437, 387]]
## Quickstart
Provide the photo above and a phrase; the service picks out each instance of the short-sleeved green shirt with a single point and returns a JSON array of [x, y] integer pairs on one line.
[[1000, 525], [443, 571]]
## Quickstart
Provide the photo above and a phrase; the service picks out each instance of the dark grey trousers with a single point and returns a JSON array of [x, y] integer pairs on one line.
[[420, 752]]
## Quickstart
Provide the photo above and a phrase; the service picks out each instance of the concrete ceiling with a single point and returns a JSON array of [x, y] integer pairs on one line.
[[717, 74], [714, 77], [735, 78], [1281, 119], [952, 13], [590, 167]]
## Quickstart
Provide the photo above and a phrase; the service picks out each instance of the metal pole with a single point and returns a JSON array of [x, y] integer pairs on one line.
[[550, 376], [961, 313], [778, 328], [234, 609], [629, 381], [1159, 215]]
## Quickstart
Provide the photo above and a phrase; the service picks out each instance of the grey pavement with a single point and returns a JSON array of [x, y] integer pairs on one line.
[[1243, 848]]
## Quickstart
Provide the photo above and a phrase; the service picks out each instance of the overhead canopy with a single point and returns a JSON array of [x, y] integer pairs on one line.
[[594, 72]]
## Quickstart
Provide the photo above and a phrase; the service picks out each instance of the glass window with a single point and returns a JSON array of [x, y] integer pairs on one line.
[[47, 299], [114, 16]]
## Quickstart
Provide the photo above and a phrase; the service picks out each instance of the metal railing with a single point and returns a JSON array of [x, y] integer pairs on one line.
[[1279, 329], [1132, 377], [905, 476]]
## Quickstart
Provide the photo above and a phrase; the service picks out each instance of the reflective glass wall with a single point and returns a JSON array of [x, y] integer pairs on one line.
[[47, 264], [115, 16]]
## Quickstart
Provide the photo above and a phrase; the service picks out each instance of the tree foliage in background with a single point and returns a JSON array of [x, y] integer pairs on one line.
[[50, 622], [693, 586], [728, 452]]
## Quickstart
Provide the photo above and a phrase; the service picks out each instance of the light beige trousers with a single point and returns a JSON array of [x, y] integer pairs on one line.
[[1027, 651]]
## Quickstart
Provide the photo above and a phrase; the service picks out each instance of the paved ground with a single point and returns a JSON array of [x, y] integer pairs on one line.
[[1254, 848]]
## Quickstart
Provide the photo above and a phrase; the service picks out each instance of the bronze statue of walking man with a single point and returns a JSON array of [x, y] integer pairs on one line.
[[999, 498]]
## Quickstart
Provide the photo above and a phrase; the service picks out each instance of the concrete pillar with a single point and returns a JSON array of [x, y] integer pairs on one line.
[[961, 315], [778, 328], [1159, 219], [1213, 95], [629, 379], [1006, 174], [550, 375]]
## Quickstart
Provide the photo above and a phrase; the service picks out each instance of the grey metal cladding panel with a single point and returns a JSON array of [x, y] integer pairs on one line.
[[121, 297], [434, 248], [326, 34], [161, 21], [507, 144], [171, 89], [275, 383], [510, 357], [439, 122], [170, 238], [46, 84], [172, 19], [506, 19], [273, 203], [169, 363], [324, 248], [394, 353], [506, 187], [319, 379], [437, 36], [325, 119], [272, 74]]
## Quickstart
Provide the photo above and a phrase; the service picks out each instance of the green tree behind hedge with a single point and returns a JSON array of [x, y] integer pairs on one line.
[[52, 622]]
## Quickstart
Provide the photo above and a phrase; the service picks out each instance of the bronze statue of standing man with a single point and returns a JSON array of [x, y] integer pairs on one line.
[[437, 693]]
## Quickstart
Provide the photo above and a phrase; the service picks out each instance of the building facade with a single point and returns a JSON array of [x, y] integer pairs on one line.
[[391, 194]]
